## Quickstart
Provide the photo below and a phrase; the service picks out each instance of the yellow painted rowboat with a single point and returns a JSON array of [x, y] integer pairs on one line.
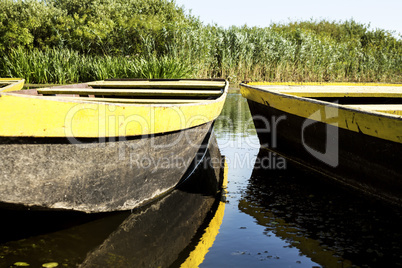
[[349, 132], [102, 146]]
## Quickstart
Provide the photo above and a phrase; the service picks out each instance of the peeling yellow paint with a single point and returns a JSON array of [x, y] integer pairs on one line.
[[51, 116], [370, 122]]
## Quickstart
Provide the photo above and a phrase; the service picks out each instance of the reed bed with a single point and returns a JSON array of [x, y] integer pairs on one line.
[[63, 66]]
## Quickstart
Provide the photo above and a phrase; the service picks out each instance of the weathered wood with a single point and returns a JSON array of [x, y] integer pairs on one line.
[[142, 101], [381, 125], [94, 175], [92, 145], [131, 92], [366, 163], [61, 116], [356, 147], [384, 108], [338, 91], [180, 84]]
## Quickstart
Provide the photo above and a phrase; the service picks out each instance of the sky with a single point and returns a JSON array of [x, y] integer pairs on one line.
[[383, 14]]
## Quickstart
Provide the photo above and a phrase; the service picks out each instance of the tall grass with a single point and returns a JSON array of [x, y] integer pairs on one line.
[[64, 66], [292, 53], [300, 55]]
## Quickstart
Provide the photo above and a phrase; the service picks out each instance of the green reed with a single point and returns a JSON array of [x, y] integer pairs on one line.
[[64, 66]]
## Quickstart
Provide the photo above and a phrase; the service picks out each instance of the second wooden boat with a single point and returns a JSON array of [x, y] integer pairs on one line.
[[348, 132], [102, 146]]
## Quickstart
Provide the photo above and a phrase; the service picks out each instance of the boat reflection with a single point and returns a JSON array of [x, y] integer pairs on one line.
[[175, 230], [331, 224]]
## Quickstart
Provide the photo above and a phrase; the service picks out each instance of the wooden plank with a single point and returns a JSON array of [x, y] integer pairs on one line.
[[181, 84], [337, 91], [133, 101], [8, 81], [130, 92], [384, 108]]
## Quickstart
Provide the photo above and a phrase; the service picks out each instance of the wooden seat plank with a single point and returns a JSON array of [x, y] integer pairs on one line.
[[133, 101], [160, 84], [130, 92]]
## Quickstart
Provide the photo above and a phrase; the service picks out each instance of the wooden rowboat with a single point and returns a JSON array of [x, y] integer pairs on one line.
[[348, 132], [103, 146]]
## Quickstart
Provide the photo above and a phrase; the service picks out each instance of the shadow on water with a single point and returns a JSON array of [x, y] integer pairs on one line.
[[332, 225], [162, 234]]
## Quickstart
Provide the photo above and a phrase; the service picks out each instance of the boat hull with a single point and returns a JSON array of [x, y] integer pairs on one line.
[[93, 175], [366, 163]]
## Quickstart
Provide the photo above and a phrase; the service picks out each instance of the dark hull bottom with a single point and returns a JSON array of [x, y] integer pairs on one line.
[[95, 176], [366, 163]]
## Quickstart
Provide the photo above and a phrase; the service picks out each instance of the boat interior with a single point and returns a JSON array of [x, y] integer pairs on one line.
[[385, 99], [135, 91]]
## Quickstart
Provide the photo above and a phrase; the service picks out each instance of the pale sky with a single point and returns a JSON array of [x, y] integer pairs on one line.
[[383, 14]]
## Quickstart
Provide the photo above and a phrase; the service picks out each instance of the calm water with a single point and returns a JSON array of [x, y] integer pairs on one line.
[[275, 214]]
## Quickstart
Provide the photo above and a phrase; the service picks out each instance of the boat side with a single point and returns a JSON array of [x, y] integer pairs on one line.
[[369, 122], [24, 115], [356, 147], [95, 176]]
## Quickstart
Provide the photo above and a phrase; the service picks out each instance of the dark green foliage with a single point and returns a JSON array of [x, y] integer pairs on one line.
[[67, 41]]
